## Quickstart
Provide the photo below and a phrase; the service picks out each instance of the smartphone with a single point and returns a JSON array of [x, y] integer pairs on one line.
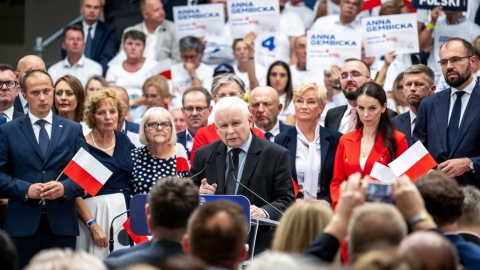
[[379, 192]]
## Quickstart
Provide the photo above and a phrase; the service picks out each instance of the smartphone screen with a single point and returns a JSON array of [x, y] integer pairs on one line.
[[379, 192]]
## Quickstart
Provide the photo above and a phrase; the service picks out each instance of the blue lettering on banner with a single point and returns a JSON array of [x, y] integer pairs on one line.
[[378, 25], [243, 7], [269, 43], [453, 5], [317, 40], [189, 14]]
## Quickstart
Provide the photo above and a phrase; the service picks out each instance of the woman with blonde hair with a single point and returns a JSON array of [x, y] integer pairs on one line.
[[301, 224], [155, 94]]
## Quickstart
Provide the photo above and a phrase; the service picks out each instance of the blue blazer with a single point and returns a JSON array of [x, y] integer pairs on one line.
[[328, 146], [22, 164], [17, 105], [132, 127], [103, 46], [431, 130], [182, 139], [402, 124], [284, 127], [3, 120]]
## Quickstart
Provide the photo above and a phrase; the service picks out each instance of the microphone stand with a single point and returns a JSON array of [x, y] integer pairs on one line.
[[111, 241]]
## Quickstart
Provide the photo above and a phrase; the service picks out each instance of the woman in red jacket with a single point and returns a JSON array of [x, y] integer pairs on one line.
[[375, 140]]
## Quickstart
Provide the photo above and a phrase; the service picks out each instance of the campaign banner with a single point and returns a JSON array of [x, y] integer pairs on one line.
[[384, 34], [326, 48], [259, 16], [199, 20], [453, 5]]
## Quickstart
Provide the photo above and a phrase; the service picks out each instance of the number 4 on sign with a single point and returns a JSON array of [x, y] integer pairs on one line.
[[269, 43]]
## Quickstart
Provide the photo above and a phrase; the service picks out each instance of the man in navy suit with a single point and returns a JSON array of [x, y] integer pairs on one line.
[[8, 92], [448, 122], [3, 120], [34, 150], [124, 125], [101, 46], [264, 105], [418, 83]]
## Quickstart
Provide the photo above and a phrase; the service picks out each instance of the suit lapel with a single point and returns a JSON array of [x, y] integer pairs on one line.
[[352, 150], [339, 116], [57, 129], [292, 148], [406, 123], [324, 145], [27, 130], [250, 163], [471, 112], [220, 167], [441, 115], [377, 154], [96, 39]]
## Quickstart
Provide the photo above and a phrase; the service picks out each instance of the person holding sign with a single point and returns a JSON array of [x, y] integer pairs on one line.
[[246, 69], [345, 21]]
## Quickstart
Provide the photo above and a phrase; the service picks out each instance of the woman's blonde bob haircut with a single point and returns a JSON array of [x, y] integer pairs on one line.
[[157, 112], [319, 90]]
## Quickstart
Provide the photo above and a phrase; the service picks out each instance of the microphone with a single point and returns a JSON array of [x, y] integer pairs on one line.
[[232, 169], [206, 163], [111, 241]]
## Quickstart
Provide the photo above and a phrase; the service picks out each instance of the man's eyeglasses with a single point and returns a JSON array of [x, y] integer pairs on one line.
[[190, 109], [353, 75], [8, 84], [155, 125], [452, 60]]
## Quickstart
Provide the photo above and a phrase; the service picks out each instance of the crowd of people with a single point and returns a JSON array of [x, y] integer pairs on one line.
[[225, 119]]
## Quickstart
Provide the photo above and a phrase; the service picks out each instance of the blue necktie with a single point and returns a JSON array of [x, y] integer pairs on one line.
[[268, 135], [43, 139], [88, 45], [454, 120]]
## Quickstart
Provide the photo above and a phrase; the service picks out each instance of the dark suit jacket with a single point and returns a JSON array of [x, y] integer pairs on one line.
[[469, 253], [22, 164], [402, 124], [3, 120], [132, 127], [431, 130], [334, 116], [284, 127], [17, 105], [472, 238], [328, 146], [267, 172], [103, 46], [120, 252]]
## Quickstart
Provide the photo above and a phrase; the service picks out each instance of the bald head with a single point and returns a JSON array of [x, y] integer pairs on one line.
[[27, 63], [265, 106]]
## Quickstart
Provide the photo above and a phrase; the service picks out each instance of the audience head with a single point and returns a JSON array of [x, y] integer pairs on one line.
[[302, 223], [354, 73], [8, 252], [9, 88], [37, 89], [123, 95], [309, 100], [349, 10], [457, 61], [233, 121], [476, 51], [265, 106], [300, 50], [385, 257], [240, 50], [28, 63], [134, 44], [65, 259], [73, 40], [227, 85], [397, 90], [157, 127], [69, 98], [425, 245], [152, 12], [390, 8], [91, 10], [217, 233], [179, 119], [95, 83], [190, 50], [155, 90], [443, 197], [280, 78], [418, 83], [374, 224], [171, 202], [196, 108], [103, 110], [470, 219], [285, 261]]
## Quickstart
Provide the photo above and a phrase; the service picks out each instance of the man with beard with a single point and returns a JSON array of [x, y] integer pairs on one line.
[[418, 83], [448, 122]]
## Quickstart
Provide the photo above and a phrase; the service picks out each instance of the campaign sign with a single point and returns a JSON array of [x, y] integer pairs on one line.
[[326, 48], [238, 199], [259, 16], [453, 5], [199, 20], [384, 34]]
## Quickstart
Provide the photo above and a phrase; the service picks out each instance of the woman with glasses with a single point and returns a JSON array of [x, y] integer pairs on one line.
[[113, 149], [280, 78], [161, 156], [374, 139]]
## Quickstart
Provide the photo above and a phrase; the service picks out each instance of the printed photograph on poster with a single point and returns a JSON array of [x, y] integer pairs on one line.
[[199, 20], [259, 16], [384, 34]]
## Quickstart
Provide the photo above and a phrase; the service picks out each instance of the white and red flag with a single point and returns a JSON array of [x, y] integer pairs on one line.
[[414, 162], [89, 173], [369, 4]]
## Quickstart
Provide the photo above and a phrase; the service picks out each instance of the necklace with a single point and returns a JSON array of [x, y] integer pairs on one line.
[[106, 149]]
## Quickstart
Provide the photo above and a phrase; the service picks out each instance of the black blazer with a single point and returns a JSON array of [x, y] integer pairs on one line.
[[328, 146], [267, 172], [182, 139], [17, 105], [402, 123], [334, 116]]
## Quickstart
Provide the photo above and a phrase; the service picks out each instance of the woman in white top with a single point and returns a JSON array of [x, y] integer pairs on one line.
[[280, 78], [252, 74]]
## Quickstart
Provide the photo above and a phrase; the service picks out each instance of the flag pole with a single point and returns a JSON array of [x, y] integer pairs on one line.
[[56, 180]]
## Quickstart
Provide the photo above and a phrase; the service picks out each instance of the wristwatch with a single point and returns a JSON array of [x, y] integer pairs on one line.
[[471, 165]]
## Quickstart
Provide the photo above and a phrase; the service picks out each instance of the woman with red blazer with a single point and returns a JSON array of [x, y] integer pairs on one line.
[[375, 140]]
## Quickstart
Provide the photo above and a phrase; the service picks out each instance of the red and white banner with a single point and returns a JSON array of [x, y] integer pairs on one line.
[[414, 162], [87, 172]]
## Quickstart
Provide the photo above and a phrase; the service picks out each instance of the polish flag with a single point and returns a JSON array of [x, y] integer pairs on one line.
[[89, 173], [136, 238], [369, 4], [414, 162]]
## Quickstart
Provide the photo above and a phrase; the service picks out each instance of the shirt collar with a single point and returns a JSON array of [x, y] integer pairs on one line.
[[188, 135], [412, 116], [9, 113], [85, 25], [468, 89], [80, 62], [48, 118], [245, 146], [157, 30]]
